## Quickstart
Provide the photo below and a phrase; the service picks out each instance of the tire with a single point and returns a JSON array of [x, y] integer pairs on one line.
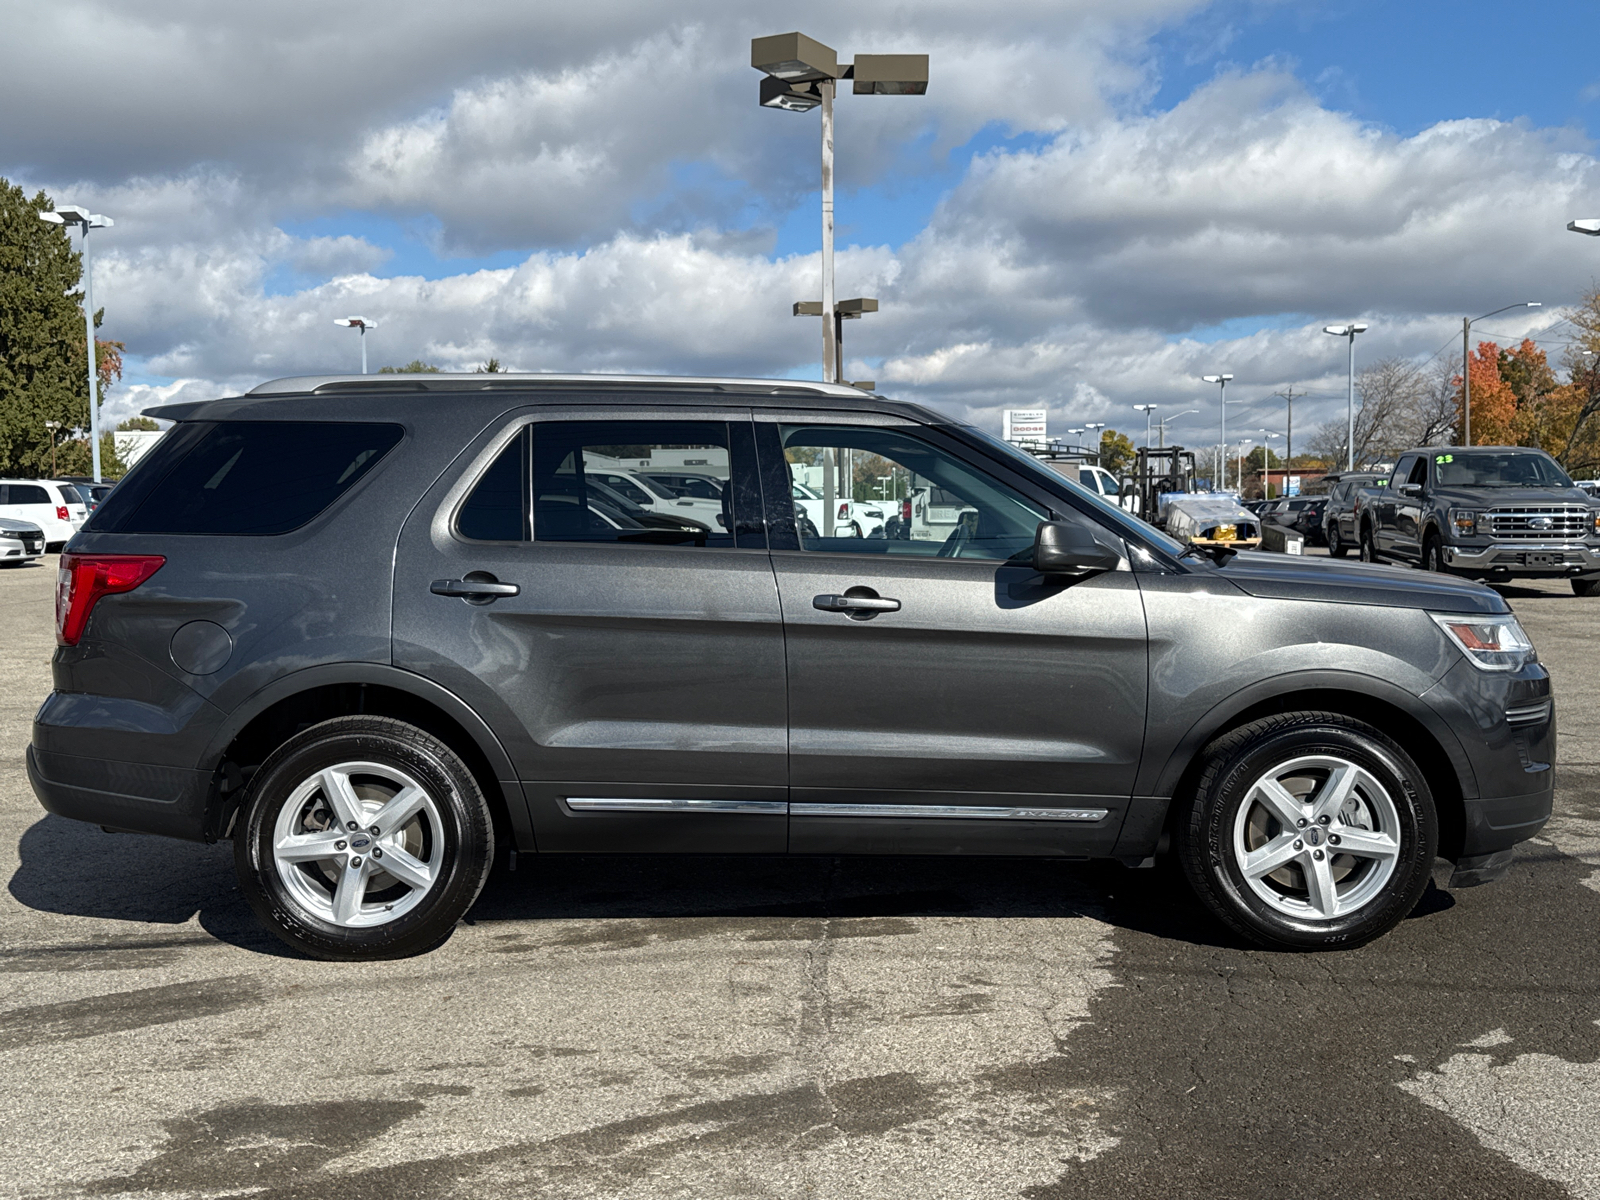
[[293, 862], [1237, 825], [1586, 587], [1369, 548], [1433, 554], [855, 530]]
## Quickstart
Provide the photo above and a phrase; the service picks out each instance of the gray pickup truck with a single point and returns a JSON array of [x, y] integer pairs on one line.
[[1495, 513]]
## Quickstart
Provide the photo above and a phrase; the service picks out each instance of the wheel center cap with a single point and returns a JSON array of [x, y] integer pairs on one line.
[[359, 842], [1313, 836]]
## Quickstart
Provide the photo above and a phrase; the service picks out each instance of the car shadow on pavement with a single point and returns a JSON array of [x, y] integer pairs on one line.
[[76, 869]]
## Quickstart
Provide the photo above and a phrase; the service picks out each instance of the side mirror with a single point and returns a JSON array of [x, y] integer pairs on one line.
[[1410, 489], [1066, 547]]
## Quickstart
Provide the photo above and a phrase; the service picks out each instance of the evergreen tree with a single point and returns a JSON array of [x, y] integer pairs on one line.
[[41, 333]]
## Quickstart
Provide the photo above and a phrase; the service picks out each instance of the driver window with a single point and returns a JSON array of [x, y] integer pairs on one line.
[[1402, 471], [865, 490]]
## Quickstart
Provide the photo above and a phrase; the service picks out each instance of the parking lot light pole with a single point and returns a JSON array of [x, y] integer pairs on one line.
[[844, 310], [800, 74], [1349, 332], [1222, 446], [1161, 425], [1266, 460], [72, 214], [1146, 409], [363, 324], [1466, 352]]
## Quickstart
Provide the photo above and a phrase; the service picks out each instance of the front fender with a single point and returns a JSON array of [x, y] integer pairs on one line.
[[1164, 770]]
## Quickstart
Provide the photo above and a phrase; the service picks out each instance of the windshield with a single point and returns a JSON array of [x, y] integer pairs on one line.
[[1506, 468], [1115, 516]]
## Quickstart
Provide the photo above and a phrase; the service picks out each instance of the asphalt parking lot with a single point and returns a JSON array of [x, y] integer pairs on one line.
[[754, 1028]]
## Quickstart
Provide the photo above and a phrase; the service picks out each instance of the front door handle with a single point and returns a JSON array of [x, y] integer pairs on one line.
[[483, 589], [855, 604]]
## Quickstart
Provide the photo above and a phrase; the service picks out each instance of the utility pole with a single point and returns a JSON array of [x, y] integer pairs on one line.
[[1288, 397]]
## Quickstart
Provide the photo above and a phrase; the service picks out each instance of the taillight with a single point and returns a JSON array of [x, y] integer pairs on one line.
[[844, 510], [61, 513], [905, 509], [84, 578]]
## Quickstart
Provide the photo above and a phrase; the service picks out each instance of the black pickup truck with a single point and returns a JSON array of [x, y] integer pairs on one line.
[[1489, 512]]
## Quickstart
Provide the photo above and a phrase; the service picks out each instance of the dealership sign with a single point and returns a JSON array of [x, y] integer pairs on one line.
[[1025, 424]]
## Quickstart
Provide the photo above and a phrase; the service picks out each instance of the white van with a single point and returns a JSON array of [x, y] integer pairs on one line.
[[56, 508]]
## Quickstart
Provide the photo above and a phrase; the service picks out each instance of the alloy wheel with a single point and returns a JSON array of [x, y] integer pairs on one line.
[[358, 844], [1317, 837]]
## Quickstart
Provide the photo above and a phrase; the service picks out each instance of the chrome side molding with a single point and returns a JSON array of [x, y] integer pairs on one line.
[[967, 812], [634, 804]]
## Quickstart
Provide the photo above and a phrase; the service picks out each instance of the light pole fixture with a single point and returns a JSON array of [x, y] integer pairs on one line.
[[1589, 225], [801, 74], [1466, 354], [844, 310], [1161, 425], [72, 214], [1222, 446], [1349, 332], [1146, 409], [363, 324], [1239, 481]]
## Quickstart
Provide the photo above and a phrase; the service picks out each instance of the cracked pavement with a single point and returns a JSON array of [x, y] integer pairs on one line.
[[767, 1027]]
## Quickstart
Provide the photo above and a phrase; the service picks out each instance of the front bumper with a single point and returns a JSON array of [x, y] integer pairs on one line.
[[1523, 560]]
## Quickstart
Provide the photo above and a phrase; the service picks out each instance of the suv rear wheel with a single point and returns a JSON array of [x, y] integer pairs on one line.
[[1336, 545], [1309, 831], [363, 838]]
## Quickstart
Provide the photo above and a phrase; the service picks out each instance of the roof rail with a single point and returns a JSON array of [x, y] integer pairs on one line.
[[505, 381]]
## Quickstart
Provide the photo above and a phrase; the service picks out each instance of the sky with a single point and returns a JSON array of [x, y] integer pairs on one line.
[[1095, 204]]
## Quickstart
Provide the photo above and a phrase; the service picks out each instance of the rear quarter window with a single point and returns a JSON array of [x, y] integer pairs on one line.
[[247, 478]]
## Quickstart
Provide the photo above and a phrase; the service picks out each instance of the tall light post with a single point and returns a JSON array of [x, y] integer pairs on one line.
[[1146, 409], [1244, 443], [1266, 460], [1466, 355], [1222, 446], [801, 74], [363, 324], [1161, 425], [844, 310], [1349, 332], [72, 214]]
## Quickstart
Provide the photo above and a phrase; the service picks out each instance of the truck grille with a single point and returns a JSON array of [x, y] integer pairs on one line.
[[1539, 521]]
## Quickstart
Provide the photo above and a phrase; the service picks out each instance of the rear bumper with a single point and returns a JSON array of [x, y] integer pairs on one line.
[[132, 797]]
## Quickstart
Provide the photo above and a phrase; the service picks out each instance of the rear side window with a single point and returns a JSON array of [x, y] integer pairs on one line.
[[27, 493], [253, 477]]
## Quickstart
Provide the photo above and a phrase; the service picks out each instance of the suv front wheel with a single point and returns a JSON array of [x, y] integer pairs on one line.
[[1309, 831], [363, 838]]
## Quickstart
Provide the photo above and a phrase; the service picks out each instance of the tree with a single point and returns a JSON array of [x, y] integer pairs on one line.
[[139, 424], [415, 367], [492, 367], [1116, 451], [42, 368], [1389, 395]]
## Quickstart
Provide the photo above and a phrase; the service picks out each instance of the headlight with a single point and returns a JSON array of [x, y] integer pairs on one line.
[[1464, 521], [1490, 643], [1594, 519]]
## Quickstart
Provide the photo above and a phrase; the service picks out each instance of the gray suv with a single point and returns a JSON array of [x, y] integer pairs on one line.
[[372, 629]]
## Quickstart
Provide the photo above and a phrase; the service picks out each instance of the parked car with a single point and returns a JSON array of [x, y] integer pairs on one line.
[[90, 491], [429, 639], [641, 490], [685, 483], [1487, 512], [1340, 530], [20, 542], [56, 508]]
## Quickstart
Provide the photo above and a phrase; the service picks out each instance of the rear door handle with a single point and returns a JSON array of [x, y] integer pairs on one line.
[[481, 590], [850, 604]]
